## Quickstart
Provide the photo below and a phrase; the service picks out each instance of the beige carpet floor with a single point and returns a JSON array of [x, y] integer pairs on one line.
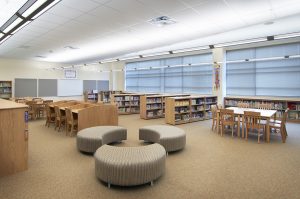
[[210, 166]]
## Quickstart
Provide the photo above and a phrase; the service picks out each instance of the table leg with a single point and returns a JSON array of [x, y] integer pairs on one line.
[[268, 130], [218, 122], [239, 125], [243, 127]]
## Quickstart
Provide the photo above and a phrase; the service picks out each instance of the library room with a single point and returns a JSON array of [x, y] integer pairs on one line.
[[149, 99]]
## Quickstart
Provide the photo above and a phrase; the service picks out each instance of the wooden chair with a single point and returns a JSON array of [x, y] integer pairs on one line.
[[252, 120], [265, 106], [50, 116], [59, 118], [31, 110], [243, 105], [281, 127], [227, 118], [214, 113], [71, 123]]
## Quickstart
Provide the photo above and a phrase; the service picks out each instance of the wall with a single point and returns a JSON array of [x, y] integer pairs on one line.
[[12, 68]]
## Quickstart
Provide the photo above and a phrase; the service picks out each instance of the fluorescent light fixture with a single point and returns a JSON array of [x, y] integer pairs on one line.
[[156, 54], [45, 9], [12, 25], [190, 49], [108, 61], [8, 36], [286, 36], [128, 58], [1, 34], [235, 43], [33, 8], [22, 26]]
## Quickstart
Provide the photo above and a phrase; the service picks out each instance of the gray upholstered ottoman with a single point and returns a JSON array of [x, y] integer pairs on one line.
[[172, 138], [128, 166], [90, 139]]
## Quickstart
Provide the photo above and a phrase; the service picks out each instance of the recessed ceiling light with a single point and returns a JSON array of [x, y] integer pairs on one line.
[[162, 21], [268, 23], [24, 46]]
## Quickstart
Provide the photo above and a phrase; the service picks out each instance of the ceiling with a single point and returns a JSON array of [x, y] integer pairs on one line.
[[100, 29]]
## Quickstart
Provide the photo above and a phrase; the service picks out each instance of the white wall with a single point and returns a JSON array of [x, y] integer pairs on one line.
[[12, 68]]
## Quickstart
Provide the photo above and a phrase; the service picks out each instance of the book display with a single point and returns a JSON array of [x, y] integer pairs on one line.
[[180, 110]]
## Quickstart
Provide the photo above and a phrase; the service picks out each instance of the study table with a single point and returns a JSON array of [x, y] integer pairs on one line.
[[90, 114], [239, 112]]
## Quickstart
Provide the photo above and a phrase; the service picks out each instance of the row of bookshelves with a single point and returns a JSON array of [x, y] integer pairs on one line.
[[181, 110], [5, 89], [153, 106], [279, 104]]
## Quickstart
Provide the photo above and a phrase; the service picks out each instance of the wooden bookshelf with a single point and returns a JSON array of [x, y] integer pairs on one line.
[[13, 137], [277, 103], [5, 89], [89, 96], [181, 110], [105, 96], [127, 103], [153, 106]]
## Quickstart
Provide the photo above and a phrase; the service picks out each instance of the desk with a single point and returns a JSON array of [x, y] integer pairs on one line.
[[239, 112]]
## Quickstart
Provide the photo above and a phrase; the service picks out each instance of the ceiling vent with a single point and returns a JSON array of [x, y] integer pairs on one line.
[[71, 47], [40, 56], [162, 21]]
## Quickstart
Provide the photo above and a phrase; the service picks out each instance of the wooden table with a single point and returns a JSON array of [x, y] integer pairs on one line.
[[239, 112]]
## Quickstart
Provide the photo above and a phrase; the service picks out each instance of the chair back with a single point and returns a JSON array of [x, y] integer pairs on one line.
[[243, 105], [214, 110], [57, 111], [47, 101], [284, 117], [252, 119], [265, 106], [226, 116], [69, 115]]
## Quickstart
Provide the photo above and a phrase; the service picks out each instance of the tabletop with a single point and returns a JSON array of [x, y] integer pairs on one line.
[[263, 113]]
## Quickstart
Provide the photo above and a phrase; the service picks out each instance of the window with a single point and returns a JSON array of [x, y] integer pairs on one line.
[[264, 71], [189, 74]]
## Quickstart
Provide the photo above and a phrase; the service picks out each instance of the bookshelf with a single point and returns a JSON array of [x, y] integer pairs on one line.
[[181, 110], [153, 106], [105, 96], [277, 103], [127, 103], [90, 96], [5, 89]]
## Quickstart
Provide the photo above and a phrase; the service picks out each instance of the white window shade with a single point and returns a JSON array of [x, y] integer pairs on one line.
[[172, 75], [273, 77]]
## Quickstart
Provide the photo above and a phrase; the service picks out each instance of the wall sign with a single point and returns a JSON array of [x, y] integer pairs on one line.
[[70, 74]]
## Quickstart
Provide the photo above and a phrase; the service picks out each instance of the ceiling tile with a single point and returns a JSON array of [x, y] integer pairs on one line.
[[165, 7], [81, 5]]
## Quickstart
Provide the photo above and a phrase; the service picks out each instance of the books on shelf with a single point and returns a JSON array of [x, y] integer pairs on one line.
[[182, 103]]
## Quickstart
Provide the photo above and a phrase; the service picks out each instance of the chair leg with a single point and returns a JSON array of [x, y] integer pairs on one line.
[[258, 135], [232, 130]]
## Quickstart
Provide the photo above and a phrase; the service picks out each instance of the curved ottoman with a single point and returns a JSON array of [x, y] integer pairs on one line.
[[128, 166], [90, 139], [172, 138]]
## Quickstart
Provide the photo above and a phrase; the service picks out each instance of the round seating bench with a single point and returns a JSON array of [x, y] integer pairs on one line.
[[129, 166], [90, 139], [170, 137]]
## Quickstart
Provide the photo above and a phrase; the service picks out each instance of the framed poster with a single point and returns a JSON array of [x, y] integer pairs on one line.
[[70, 74]]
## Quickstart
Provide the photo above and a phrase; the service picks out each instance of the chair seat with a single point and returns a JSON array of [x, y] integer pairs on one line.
[[274, 125], [275, 121]]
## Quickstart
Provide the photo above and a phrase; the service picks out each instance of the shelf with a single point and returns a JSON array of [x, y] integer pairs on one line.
[[190, 114]]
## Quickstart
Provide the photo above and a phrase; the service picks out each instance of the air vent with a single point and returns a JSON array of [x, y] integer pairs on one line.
[[71, 47], [162, 21], [40, 56]]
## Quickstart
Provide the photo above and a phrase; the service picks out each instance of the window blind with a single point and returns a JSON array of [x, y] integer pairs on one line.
[[188, 74], [264, 71]]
